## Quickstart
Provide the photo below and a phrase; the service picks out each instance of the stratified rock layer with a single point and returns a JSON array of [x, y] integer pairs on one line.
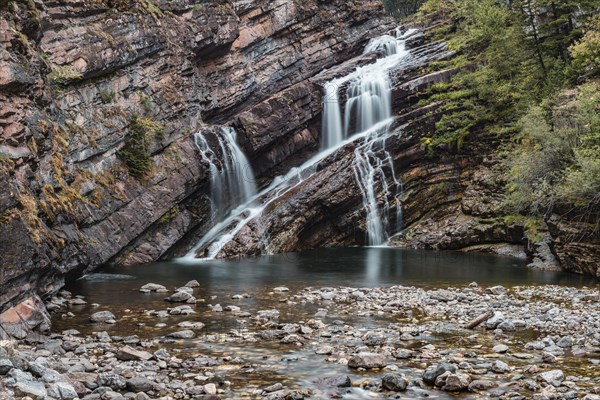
[[79, 79]]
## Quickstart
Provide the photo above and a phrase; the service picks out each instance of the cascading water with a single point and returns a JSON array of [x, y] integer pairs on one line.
[[386, 44], [331, 126], [368, 102], [367, 117], [231, 178]]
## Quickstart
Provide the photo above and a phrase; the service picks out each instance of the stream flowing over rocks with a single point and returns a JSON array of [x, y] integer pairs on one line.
[[542, 342]]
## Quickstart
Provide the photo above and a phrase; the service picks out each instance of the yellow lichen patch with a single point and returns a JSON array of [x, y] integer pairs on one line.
[[29, 212], [63, 74]]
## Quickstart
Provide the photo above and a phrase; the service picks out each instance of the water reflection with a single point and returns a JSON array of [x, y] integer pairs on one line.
[[374, 266]]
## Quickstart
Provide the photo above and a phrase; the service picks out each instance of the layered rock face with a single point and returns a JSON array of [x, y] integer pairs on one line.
[[98, 102], [576, 242]]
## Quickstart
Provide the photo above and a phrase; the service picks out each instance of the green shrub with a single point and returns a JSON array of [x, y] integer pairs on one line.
[[107, 96], [558, 157], [135, 153]]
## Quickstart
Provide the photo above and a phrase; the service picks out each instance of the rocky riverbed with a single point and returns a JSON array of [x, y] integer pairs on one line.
[[542, 342]]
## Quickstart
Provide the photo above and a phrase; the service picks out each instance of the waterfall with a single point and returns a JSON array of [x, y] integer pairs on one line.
[[386, 44], [367, 118], [368, 102], [331, 127], [368, 94], [231, 177]]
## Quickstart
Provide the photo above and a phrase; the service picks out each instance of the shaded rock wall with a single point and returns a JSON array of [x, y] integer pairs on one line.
[[80, 79]]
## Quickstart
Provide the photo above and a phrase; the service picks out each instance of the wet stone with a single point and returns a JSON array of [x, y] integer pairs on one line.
[[185, 334], [153, 287], [139, 384], [554, 377], [367, 361], [403, 354], [500, 348], [394, 382], [432, 372], [457, 382], [102, 316], [179, 297], [500, 367], [481, 385], [335, 381]]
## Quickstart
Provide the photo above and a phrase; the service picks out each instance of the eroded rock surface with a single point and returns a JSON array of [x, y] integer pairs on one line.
[[79, 80]]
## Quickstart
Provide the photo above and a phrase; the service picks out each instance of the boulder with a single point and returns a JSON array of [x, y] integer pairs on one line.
[[191, 325], [481, 384], [432, 372], [139, 384], [64, 391], [500, 348], [111, 380], [34, 390], [496, 290], [553, 377], [179, 297], [367, 361], [394, 382], [335, 381], [103, 316], [457, 382], [153, 287], [127, 353], [500, 367], [185, 334], [210, 388], [5, 366]]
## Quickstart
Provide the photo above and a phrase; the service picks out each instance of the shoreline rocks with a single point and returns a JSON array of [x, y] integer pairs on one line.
[[418, 346]]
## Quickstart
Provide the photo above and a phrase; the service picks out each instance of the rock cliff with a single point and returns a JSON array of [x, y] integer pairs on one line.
[[98, 102]]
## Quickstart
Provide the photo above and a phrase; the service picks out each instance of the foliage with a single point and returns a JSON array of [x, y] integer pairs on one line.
[[63, 74], [107, 96], [513, 59], [168, 216], [586, 52], [558, 160], [510, 56], [143, 132]]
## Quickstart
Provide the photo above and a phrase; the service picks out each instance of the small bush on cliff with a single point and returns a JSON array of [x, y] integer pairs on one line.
[[63, 74], [107, 96], [136, 150]]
